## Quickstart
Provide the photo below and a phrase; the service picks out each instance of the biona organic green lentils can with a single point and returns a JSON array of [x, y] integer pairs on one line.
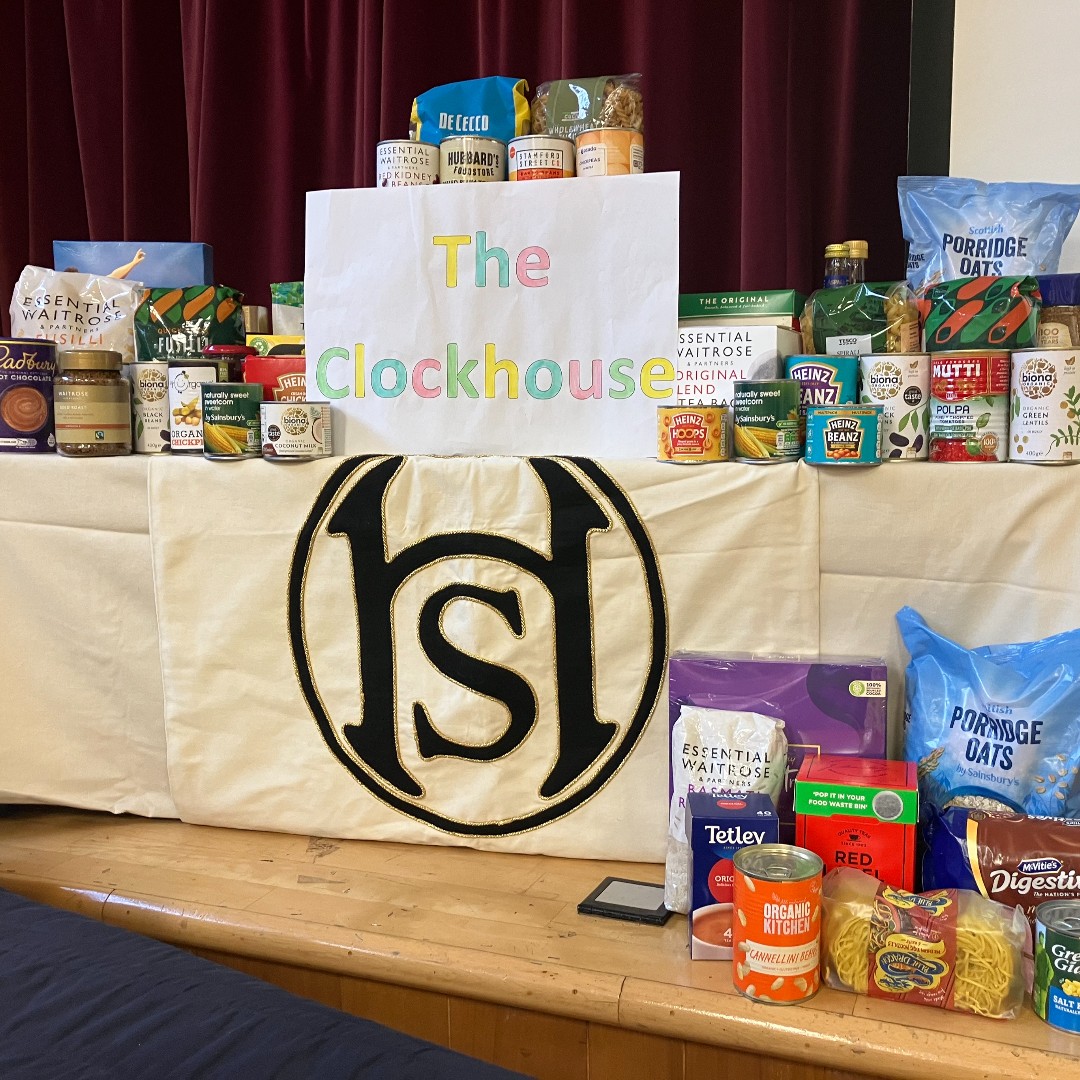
[[766, 423], [1056, 994]]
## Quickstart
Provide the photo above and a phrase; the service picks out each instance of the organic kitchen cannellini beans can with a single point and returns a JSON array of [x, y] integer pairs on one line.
[[776, 932], [1044, 411], [969, 406], [900, 384]]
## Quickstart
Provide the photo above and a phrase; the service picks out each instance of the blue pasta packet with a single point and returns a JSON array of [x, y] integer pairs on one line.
[[496, 108], [993, 728]]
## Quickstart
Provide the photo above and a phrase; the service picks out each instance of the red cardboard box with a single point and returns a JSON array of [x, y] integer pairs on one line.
[[860, 812]]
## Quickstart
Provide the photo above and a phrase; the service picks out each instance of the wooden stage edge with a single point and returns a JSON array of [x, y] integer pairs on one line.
[[486, 953]]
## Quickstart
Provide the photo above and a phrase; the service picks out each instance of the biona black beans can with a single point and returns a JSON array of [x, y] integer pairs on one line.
[[766, 425], [470, 159]]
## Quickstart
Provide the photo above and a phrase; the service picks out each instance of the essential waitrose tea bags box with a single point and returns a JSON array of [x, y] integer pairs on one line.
[[716, 827], [860, 812], [714, 354], [828, 705]]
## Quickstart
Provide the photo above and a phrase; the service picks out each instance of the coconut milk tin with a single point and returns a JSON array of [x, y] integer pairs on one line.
[[609, 151], [539, 157], [843, 435], [470, 159], [776, 932], [150, 406], [27, 368], [766, 426], [1044, 407], [969, 406], [1055, 996], [295, 430], [689, 435], [900, 384], [404, 163]]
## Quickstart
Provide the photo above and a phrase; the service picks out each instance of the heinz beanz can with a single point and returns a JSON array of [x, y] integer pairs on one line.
[[1045, 406], [1055, 996], [539, 157], [691, 434], [609, 151], [843, 435], [766, 421], [900, 384], [969, 406], [405, 163], [823, 380], [776, 932], [471, 159]]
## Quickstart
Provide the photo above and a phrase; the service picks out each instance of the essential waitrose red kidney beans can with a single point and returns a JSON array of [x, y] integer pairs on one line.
[[969, 406], [27, 368], [405, 163]]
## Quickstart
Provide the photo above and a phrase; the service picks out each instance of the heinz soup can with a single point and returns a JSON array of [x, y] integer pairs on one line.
[[776, 932]]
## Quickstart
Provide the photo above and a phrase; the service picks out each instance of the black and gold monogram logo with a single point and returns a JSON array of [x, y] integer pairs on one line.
[[481, 657]]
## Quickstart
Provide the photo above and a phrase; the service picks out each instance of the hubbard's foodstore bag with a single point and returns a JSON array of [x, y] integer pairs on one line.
[[993, 728], [496, 108]]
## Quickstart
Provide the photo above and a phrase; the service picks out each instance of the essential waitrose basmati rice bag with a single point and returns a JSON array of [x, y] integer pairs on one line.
[[994, 728], [716, 750]]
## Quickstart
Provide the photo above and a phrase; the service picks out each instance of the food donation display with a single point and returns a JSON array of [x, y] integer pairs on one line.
[[973, 357]]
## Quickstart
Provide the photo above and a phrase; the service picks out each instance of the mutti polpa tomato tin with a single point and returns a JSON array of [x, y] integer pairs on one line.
[[843, 435], [776, 932], [969, 406]]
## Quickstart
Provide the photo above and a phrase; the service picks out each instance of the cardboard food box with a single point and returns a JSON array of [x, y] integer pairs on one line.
[[768, 307], [283, 378], [860, 812], [277, 344], [157, 265], [717, 826], [829, 705], [715, 353]]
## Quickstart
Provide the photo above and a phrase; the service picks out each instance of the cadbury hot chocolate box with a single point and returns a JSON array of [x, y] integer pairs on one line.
[[828, 705]]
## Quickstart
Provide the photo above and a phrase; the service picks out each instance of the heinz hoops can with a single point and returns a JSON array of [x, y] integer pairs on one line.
[[969, 406], [690, 434], [900, 384], [776, 932], [1056, 994], [471, 159], [1045, 406]]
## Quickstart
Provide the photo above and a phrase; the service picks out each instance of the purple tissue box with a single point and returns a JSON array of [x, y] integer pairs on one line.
[[829, 705]]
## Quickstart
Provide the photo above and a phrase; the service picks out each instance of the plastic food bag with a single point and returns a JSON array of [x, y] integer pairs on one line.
[[983, 313], [854, 320], [959, 228], [716, 750], [993, 728], [951, 948], [287, 303], [77, 311], [183, 322], [495, 108], [566, 107]]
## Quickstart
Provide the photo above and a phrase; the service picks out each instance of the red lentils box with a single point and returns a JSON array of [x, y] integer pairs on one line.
[[860, 812]]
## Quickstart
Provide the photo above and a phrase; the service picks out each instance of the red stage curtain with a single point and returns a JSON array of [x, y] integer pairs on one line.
[[208, 120]]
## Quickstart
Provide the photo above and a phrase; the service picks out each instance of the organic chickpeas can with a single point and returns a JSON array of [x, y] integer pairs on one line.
[[776, 932]]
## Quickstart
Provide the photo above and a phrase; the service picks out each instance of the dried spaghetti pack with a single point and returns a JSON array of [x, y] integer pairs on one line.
[[182, 322], [993, 728], [950, 948]]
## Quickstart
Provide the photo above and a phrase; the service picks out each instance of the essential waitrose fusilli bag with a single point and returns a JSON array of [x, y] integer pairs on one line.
[[993, 728]]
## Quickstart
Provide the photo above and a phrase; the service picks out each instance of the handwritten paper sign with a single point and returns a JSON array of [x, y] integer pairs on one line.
[[504, 318]]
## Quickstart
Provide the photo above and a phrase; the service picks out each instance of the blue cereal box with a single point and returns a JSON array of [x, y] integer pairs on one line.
[[718, 825], [843, 435], [158, 265]]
